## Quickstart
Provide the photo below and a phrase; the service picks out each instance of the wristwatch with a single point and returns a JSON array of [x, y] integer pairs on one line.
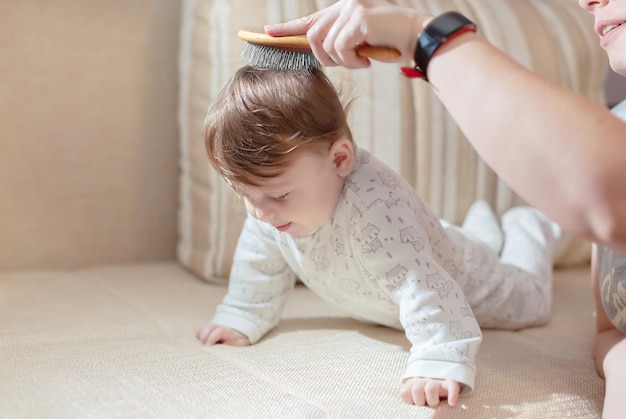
[[440, 30]]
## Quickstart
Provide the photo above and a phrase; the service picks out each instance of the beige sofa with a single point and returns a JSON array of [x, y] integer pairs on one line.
[[115, 236]]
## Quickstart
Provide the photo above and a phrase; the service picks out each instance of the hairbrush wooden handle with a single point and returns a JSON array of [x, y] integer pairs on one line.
[[384, 54], [300, 43]]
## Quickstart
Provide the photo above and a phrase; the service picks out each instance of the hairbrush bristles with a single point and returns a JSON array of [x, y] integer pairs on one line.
[[294, 52], [278, 58]]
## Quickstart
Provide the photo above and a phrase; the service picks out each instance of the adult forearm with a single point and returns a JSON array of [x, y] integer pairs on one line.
[[558, 150]]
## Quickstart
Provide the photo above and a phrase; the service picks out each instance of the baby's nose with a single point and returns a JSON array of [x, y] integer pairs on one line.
[[263, 211]]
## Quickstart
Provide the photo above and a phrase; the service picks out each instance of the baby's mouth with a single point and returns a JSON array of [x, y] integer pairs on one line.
[[283, 227]]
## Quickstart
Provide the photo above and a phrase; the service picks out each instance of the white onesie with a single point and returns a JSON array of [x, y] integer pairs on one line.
[[384, 257]]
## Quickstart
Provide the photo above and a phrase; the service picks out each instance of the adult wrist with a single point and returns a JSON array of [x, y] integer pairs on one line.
[[436, 33], [421, 21]]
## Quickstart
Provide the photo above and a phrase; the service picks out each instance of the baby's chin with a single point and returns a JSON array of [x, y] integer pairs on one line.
[[297, 230]]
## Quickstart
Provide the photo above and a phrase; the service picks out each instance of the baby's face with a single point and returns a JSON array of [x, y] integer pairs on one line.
[[301, 200]]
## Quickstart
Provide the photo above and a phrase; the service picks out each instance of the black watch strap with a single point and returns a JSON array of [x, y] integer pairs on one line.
[[441, 29]]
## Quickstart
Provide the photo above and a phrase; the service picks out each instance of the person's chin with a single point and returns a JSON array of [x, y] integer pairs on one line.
[[615, 52], [300, 231], [618, 65]]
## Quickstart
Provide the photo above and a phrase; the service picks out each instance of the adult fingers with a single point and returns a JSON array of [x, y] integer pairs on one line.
[[322, 29], [345, 34], [317, 36], [302, 25], [298, 26]]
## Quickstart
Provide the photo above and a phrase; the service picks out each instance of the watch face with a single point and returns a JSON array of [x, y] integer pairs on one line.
[[448, 24], [438, 31]]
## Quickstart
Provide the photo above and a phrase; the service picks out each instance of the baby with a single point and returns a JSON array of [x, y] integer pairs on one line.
[[356, 233]]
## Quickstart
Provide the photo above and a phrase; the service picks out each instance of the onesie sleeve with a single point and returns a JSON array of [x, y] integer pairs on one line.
[[260, 280], [396, 250]]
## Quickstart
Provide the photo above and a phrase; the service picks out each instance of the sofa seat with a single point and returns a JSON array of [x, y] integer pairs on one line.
[[118, 341]]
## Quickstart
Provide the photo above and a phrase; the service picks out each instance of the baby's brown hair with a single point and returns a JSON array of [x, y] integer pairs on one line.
[[262, 117]]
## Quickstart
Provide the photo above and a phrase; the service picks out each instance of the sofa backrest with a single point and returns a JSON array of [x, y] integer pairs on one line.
[[400, 120], [88, 138]]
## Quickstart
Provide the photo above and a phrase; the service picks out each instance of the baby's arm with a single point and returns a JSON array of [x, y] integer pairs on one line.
[[441, 363], [259, 281], [429, 391], [435, 315], [210, 334]]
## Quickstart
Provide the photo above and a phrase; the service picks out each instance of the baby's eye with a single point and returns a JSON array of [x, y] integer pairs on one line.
[[282, 197]]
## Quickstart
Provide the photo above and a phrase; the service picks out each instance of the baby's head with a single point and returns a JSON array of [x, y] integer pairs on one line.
[[262, 118], [281, 140]]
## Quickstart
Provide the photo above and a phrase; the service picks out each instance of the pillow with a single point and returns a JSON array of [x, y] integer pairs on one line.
[[400, 120]]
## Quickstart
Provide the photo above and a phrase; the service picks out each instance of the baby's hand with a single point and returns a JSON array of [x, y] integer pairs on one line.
[[428, 391], [210, 334]]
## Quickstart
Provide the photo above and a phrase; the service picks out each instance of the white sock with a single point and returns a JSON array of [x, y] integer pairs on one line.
[[532, 240], [481, 224]]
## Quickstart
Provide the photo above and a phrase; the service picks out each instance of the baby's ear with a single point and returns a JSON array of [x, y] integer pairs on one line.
[[342, 155]]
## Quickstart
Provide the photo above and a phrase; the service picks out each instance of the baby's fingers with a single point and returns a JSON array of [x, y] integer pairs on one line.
[[430, 391], [202, 332], [412, 392], [452, 389], [236, 341], [434, 391], [209, 334], [217, 335]]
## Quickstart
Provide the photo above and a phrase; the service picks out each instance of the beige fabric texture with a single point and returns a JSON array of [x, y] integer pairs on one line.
[[118, 341], [400, 120], [88, 139]]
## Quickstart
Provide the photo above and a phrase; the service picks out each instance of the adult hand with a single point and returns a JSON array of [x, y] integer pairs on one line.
[[335, 31]]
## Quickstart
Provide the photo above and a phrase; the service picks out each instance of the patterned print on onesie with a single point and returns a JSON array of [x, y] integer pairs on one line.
[[612, 286]]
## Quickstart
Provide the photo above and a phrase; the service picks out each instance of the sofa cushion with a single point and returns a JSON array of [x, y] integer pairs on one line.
[[118, 341], [399, 120]]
